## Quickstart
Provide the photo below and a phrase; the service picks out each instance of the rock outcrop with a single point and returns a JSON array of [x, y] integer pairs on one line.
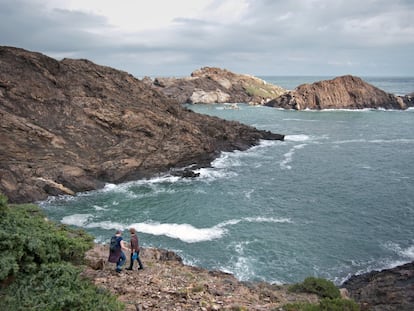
[[214, 85], [346, 92], [167, 284], [71, 125], [386, 290]]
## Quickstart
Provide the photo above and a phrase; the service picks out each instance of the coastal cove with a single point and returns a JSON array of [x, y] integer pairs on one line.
[[332, 200]]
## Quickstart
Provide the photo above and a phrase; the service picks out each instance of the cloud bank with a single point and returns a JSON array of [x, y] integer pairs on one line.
[[260, 37]]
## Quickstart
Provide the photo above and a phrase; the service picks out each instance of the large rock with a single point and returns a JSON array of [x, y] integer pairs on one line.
[[210, 85], [346, 92], [386, 290], [71, 125]]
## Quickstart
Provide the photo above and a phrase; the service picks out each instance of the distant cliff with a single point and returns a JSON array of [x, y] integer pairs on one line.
[[71, 125], [210, 85], [346, 92]]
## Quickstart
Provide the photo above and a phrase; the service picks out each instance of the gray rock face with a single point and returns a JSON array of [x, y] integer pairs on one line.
[[346, 92], [386, 290], [71, 125], [210, 85]]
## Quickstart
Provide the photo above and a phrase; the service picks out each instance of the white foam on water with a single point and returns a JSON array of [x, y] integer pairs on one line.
[[99, 208], [376, 141], [108, 225], [79, 220], [268, 219], [227, 159], [299, 137], [300, 120], [184, 232], [209, 174], [407, 252], [289, 157]]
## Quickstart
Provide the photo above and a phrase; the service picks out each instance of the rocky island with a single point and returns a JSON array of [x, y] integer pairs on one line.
[[346, 92], [210, 85]]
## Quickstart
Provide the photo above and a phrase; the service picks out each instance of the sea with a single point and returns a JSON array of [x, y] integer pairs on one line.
[[334, 199]]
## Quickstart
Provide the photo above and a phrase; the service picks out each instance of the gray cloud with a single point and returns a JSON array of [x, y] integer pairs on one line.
[[319, 37]]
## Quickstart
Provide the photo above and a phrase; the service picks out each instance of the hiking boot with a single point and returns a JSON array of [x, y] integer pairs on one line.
[[128, 269]]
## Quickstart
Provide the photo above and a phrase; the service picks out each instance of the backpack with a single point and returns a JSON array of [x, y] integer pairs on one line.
[[113, 245]]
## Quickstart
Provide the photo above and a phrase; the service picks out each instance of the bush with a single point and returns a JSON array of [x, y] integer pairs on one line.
[[325, 304], [37, 259], [338, 304], [57, 286], [321, 287], [27, 240]]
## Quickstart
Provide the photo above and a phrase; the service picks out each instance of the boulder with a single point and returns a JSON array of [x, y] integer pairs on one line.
[[346, 92]]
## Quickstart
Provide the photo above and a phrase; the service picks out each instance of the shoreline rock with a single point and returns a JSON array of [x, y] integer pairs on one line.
[[210, 85], [167, 283], [385, 290], [346, 92]]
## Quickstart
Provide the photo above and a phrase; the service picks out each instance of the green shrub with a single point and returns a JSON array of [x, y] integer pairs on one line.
[[338, 304], [3, 203], [325, 304], [301, 306], [37, 259], [56, 286], [28, 241], [321, 287]]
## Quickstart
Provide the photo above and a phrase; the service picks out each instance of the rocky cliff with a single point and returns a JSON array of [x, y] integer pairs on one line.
[[346, 92], [71, 125], [214, 85], [386, 290]]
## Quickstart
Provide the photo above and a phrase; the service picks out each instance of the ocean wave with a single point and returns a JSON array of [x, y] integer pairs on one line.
[[289, 157], [375, 141], [299, 137], [184, 232], [300, 120], [79, 220], [405, 252]]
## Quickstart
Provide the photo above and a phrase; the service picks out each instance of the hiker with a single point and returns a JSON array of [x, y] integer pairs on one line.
[[134, 250], [116, 248]]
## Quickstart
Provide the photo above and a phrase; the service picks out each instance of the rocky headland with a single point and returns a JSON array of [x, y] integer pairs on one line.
[[210, 85], [346, 92], [72, 125]]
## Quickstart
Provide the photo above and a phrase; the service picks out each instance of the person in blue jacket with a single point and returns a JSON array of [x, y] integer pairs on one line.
[[116, 250]]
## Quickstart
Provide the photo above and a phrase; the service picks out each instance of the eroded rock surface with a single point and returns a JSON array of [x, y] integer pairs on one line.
[[167, 284], [210, 85], [71, 125], [386, 290], [346, 92]]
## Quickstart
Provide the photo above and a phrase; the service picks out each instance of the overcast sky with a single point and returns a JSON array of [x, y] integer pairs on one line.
[[258, 37]]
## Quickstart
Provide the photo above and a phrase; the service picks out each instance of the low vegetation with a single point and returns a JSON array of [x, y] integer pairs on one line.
[[40, 264], [330, 297]]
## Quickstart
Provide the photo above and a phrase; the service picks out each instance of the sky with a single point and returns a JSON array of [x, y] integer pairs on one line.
[[258, 37]]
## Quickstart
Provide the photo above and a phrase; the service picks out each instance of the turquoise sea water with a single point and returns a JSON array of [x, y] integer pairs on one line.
[[334, 199]]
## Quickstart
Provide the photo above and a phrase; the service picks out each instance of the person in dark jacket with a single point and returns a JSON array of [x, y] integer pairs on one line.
[[117, 255], [134, 250]]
